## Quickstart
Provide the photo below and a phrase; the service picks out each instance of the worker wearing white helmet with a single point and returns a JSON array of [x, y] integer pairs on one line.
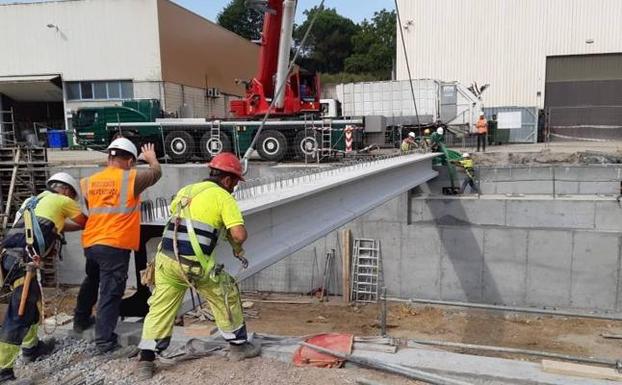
[[35, 234], [466, 163], [112, 200], [409, 143], [437, 139]]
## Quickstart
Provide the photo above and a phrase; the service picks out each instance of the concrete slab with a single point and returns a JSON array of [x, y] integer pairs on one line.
[[554, 213], [595, 263], [505, 266], [461, 264], [548, 268], [458, 210], [608, 216], [420, 269]]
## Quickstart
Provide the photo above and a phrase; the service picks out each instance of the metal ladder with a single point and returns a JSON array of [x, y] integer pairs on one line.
[[366, 271], [26, 170], [326, 138], [215, 137], [8, 136]]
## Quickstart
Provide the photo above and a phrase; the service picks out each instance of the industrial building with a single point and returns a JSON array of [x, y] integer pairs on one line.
[[63, 55], [560, 57]]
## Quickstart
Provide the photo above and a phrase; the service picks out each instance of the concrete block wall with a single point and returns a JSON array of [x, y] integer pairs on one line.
[[536, 251], [559, 180]]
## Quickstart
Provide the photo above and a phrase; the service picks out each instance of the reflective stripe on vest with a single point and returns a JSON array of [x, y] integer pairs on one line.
[[113, 210], [206, 235]]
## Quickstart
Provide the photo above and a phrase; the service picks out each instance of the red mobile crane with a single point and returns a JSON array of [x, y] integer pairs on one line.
[[300, 94]]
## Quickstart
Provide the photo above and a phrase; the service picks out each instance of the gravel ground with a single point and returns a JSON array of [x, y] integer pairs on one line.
[[74, 357]]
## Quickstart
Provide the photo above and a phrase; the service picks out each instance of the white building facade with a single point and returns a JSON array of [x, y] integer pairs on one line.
[[560, 57], [94, 53]]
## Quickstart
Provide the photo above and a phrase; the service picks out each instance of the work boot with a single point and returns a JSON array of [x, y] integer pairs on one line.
[[117, 351], [244, 351], [42, 349], [144, 370], [7, 375], [80, 328]]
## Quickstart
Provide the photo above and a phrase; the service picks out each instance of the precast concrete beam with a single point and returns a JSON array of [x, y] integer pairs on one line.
[[285, 215]]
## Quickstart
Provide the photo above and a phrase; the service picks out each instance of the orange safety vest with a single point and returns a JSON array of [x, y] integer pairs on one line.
[[482, 126], [114, 212]]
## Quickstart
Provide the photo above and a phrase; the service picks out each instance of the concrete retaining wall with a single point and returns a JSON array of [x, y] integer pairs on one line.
[[535, 251]]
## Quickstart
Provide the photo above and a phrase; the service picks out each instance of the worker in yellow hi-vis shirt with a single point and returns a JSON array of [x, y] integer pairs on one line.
[[35, 235], [199, 213]]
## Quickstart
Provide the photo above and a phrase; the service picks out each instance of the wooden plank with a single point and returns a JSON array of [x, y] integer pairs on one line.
[[375, 347], [612, 336], [589, 371]]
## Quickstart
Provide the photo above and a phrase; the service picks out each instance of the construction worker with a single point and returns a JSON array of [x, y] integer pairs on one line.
[[482, 132], [436, 139], [112, 199], [199, 213], [466, 163], [35, 235], [408, 144]]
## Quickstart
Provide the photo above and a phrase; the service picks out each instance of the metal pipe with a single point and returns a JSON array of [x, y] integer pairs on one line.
[[285, 46], [408, 372], [509, 308], [498, 349]]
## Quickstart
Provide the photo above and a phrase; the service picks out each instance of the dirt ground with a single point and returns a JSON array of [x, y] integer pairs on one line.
[[576, 336]]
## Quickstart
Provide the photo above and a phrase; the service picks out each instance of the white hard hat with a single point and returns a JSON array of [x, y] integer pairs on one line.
[[122, 144], [411, 134], [440, 131], [466, 155], [65, 178]]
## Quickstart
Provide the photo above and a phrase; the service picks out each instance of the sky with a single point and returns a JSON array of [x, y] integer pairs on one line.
[[357, 10]]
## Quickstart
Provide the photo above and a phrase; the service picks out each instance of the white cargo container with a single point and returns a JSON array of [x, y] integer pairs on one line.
[[447, 103]]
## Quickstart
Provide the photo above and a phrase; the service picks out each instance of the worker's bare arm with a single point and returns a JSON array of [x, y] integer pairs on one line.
[[147, 177], [237, 235], [75, 224]]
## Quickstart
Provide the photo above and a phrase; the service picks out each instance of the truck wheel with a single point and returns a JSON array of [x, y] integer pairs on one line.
[[272, 145], [212, 146], [179, 145], [306, 144]]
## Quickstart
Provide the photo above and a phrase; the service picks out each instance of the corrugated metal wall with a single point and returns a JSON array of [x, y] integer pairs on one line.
[[584, 97], [503, 42]]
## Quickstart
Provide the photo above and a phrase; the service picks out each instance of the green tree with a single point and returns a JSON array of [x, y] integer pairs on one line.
[[329, 42], [374, 46], [237, 18]]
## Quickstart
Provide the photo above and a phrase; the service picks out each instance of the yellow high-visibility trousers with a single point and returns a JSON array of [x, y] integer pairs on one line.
[[220, 291]]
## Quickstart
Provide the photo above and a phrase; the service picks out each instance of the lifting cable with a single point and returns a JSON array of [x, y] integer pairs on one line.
[[280, 90], [410, 79]]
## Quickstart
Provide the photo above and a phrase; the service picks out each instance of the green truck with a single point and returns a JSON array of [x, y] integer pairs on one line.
[[181, 140]]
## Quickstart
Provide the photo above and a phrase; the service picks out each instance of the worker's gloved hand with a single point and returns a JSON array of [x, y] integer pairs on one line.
[[239, 254]]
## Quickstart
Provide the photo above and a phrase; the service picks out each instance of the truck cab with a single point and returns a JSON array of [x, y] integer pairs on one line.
[[330, 108], [90, 123]]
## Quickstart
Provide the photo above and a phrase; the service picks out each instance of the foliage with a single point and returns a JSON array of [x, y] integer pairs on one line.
[[329, 42], [346, 77], [237, 18], [374, 46]]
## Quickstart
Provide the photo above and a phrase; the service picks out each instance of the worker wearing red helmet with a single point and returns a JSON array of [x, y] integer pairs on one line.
[[200, 212]]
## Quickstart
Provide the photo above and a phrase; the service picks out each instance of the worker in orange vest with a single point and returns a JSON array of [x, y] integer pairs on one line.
[[112, 231], [482, 132]]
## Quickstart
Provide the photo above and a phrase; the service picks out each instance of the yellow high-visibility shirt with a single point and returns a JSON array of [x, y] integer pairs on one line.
[[56, 208]]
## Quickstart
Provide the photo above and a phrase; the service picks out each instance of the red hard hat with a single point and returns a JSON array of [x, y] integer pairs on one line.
[[227, 162]]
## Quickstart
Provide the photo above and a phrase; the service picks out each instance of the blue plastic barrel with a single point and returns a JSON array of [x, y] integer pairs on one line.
[[57, 139]]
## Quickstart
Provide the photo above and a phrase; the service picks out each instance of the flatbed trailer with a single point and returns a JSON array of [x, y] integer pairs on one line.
[[183, 139]]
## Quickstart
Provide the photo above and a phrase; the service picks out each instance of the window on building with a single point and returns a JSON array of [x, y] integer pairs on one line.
[[102, 90], [114, 90], [73, 90], [99, 90], [86, 90], [127, 90]]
